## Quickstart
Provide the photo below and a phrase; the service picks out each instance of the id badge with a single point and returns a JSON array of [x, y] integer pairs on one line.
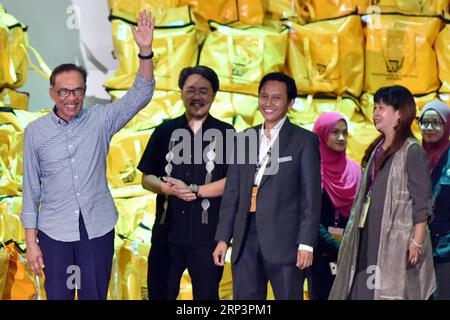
[[336, 233], [365, 210], [253, 202]]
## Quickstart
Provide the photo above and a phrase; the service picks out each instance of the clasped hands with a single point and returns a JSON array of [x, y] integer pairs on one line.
[[177, 188]]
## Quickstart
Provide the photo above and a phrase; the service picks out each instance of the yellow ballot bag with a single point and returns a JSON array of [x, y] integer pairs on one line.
[[241, 56], [327, 56], [399, 50]]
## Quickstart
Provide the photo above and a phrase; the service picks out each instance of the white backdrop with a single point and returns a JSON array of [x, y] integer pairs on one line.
[[76, 31]]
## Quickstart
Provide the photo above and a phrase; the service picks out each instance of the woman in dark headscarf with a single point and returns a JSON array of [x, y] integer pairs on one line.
[[435, 127]]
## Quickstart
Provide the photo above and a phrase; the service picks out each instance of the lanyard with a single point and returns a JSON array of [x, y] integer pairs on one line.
[[260, 164], [266, 156]]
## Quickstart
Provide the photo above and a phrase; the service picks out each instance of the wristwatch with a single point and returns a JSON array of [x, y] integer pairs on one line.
[[145, 57], [194, 188]]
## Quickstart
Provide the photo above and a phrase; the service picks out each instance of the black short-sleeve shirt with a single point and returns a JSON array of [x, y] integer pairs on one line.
[[184, 219]]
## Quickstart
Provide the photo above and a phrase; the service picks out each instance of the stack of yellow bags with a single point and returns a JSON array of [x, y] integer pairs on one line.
[[338, 52], [16, 280]]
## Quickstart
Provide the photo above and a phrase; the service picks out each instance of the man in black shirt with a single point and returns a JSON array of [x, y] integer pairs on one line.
[[185, 164]]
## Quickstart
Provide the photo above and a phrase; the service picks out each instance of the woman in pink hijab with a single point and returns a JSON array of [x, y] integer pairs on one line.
[[435, 127], [340, 182]]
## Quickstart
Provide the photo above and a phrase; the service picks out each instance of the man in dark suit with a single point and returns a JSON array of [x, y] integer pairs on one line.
[[271, 206]]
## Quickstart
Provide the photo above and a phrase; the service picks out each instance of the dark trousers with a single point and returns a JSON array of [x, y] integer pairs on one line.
[[84, 265], [320, 278], [252, 272], [205, 275], [158, 270], [442, 280]]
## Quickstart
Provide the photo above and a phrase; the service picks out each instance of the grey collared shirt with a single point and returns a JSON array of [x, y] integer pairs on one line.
[[64, 167]]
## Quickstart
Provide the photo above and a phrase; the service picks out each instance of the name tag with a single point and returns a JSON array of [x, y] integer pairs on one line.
[[253, 202], [336, 233], [365, 210]]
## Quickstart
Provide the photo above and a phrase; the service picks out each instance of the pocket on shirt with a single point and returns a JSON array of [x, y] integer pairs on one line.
[[49, 166]]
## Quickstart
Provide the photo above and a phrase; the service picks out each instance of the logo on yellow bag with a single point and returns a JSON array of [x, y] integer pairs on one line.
[[239, 69], [129, 173], [321, 68], [240, 66], [394, 65]]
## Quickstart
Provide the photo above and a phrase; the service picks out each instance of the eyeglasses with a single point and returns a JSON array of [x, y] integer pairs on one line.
[[203, 93], [424, 124], [64, 92]]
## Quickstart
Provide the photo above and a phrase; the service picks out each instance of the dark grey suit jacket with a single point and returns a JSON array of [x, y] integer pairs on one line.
[[288, 202]]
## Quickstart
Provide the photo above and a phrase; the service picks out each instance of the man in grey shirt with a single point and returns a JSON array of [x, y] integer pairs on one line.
[[67, 205]]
